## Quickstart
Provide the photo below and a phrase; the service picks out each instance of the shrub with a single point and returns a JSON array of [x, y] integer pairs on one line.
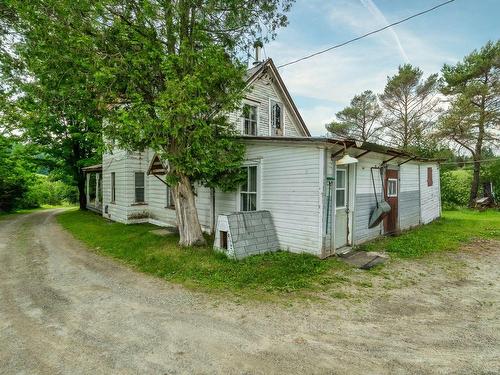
[[455, 188]]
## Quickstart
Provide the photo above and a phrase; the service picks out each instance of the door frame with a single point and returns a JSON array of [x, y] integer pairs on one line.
[[396, 169]]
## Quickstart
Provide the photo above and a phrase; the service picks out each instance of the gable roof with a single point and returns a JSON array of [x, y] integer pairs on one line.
[[268, 66]]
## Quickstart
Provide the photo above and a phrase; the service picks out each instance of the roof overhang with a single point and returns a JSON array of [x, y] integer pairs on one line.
[[268, 65], [364, 147], [92, 168]]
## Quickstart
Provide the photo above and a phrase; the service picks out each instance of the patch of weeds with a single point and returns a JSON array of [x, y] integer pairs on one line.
[[448, 233], [364, 284], [340, 295]]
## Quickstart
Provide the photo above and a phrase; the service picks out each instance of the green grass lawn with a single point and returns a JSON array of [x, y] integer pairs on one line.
[[4, 215], [447, 233], [263, 275], [199, 267]]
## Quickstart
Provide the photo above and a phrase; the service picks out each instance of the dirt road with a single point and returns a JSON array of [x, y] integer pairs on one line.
[[65, 310]]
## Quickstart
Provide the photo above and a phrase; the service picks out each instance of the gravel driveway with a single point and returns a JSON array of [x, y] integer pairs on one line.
[[65, 310]]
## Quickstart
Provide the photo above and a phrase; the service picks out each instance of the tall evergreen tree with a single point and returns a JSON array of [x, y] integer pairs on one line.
[[360, 120], [473, 119], [410, 106], [173, 72]]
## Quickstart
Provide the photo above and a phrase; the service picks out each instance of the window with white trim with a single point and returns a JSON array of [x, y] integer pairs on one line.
[[139, 187], [277, 118], [248, 190], [392, 187], [340, 189], [249, 119]]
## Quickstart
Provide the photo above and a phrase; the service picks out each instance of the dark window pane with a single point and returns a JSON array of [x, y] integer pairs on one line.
[[341, 178], [139, 179], [139, 194], [252, 179], [244, 202], [340, 198], [252, 202], [244, 185]]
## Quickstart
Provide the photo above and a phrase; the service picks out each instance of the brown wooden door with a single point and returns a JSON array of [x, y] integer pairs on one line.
[[391, 192]]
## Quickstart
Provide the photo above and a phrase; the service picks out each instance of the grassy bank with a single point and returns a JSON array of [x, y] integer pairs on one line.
[[199, 267], [264, 275], [445, 234], [4, 215]]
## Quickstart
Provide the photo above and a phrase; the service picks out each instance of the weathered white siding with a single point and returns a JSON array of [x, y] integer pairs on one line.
[[430, 197], [290, 188], [409, 196], [260, 92], [365, 201]]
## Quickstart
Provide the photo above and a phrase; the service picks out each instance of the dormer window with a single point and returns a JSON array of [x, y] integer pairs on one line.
[[249, 119], [277, 118]]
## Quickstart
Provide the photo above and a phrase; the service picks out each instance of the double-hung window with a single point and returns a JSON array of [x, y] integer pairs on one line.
[[249, 119], [340, 189], [248, 190], [139, 187], [277, 118]]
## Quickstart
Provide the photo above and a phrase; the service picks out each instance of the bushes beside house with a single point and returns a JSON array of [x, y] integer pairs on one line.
[[455, 188]]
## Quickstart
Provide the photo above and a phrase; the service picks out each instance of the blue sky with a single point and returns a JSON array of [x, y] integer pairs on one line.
[[323, 85]]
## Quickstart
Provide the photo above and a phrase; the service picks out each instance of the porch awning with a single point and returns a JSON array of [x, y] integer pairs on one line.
[[93, 168], [156, 167]]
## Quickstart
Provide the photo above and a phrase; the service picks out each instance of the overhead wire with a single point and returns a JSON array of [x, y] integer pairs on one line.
[[365, 35]]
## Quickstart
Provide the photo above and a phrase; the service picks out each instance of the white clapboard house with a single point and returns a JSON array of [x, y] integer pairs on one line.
[[318, 205]]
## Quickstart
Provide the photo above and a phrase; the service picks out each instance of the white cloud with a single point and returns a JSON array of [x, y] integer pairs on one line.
[[336, 76], [317, 117]]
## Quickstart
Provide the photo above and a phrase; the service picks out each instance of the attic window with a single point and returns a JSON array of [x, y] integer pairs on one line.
[[277, 118], [429, 176], [249, 119]]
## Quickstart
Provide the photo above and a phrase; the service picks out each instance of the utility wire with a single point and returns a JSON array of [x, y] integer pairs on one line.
[[470, 161], [367, 34]]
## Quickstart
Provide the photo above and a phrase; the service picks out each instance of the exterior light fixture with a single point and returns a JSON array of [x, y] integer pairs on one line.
[[346, 159]]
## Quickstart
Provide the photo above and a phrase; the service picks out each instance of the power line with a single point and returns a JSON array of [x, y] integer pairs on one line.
[[367, 34], [470, 161]]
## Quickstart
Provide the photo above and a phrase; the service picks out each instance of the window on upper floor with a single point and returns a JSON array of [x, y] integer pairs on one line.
[[249, 119], [277, 114]]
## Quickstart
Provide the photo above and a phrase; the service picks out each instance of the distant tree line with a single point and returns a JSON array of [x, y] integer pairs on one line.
[[446, 115]]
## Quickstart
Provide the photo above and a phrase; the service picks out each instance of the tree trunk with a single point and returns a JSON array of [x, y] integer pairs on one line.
[[475, 181], [187, 216], [478, 152], [82, 195]]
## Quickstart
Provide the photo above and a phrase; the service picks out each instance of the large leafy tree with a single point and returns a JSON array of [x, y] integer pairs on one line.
[[410, 106], [173, 74], [359, 120], [48, 72], [473, 119]]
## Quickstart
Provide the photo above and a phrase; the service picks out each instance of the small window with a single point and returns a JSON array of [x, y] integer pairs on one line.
[[248, 190], [249, 119], [277, 118], [92, 187], [169, 198], [113, 187], [392, 187], [429, 176], [139, 187], [340, 189], [223, 239]]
